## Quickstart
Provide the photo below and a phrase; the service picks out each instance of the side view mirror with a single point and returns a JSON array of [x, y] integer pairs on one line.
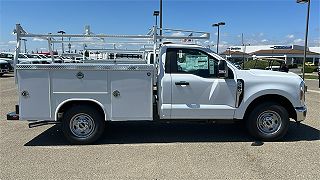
[[222, 69]]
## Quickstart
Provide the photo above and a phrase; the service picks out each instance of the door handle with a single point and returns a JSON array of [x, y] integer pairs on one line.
[[182, 83]]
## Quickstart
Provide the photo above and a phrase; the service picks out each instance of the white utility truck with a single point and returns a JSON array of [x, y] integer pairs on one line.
[[185, 83]]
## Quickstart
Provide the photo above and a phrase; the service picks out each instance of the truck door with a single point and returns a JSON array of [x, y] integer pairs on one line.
[[197, 92]]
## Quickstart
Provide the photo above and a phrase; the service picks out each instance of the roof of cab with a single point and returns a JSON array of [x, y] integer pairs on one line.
[[175, 45]]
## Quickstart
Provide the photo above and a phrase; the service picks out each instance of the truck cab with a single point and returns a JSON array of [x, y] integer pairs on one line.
[[196, 83], [191, 85]]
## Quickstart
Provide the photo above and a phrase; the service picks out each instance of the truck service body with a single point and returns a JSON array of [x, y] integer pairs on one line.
[[186, 82]]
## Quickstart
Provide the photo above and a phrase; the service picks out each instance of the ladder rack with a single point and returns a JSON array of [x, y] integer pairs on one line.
[[152, 38]]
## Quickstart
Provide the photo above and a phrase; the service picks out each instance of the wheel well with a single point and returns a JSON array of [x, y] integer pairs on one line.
[[72, 103], [272, 98]]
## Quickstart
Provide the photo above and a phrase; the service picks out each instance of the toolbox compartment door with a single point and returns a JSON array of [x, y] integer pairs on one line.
[[131, 95], [34, 95]]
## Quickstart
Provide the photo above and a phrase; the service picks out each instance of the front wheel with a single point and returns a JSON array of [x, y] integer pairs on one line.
[[268, 121], [82, 124]]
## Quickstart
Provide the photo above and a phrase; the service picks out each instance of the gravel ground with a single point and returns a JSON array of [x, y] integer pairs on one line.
[[158, 150]]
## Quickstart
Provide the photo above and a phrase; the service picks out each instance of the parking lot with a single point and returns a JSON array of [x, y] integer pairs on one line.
[[158, 150]]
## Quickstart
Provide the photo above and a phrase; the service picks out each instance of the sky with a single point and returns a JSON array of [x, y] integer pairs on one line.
[[262, 22]]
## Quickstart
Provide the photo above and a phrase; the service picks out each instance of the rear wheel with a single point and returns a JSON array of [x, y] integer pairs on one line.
[[83, 124], [1, 74], [268, 121]]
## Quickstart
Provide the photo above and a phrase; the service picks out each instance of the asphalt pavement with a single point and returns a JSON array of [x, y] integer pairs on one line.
[[158, 150]]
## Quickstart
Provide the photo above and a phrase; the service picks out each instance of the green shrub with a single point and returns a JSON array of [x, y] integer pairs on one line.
[[310, 69], [290, 66], [259, 64]]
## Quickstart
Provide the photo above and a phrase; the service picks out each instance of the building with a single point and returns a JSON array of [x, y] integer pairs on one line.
[[236, 56], [290, 53]]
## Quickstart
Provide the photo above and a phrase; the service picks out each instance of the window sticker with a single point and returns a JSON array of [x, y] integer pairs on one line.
[[202, 62], [211, 66], [191, 63], [195, 62], [180, 54]]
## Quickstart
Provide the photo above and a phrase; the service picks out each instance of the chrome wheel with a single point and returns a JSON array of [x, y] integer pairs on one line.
[[82, 125], [269, 122]]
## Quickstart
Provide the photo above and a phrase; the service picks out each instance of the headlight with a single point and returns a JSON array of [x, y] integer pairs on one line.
[[302, 93]]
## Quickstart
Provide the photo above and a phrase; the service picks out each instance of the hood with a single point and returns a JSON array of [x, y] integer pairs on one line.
[[267, 76], [269, 73]]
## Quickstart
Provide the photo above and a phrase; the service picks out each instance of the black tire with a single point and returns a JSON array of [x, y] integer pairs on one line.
[[1, 74], [83, 124], [268, 121]]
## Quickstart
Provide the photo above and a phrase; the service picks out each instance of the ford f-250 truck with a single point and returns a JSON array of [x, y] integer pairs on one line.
[[187, 82]]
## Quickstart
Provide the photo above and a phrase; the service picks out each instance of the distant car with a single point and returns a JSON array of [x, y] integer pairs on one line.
[[9, 58], [57, 59], [77, 60], [4, 67], [309, 64], [22, 58], [42, 59], [273, 68]]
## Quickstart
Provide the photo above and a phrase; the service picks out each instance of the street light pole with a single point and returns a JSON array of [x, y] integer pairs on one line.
[[160, 18], [306, 36], [156, 14], [69, 45], [62, 32], [25, 45], [218, 39], [52, 44], [218, 25]]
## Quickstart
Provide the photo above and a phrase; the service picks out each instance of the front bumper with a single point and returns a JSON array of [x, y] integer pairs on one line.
[[301, 113]]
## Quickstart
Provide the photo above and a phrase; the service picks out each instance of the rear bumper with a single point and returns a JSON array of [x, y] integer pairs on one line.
[[12, 116], [301, 113]]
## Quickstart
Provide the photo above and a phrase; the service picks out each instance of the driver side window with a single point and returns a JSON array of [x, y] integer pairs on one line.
[[195, 62]]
